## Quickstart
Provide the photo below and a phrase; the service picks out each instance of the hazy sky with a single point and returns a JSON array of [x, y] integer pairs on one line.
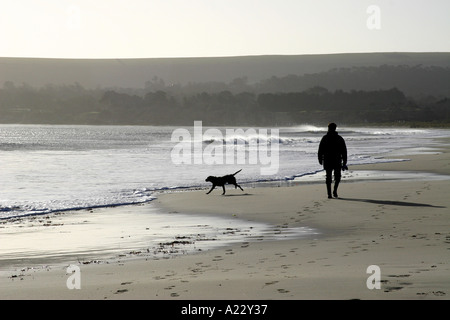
[[198, 28]]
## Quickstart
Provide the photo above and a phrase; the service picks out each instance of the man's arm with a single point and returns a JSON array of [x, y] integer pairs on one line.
[[344, 152], [320, 152]]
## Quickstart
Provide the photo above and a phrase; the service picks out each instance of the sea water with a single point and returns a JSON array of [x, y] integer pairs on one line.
[[51, 176], [53, 168]]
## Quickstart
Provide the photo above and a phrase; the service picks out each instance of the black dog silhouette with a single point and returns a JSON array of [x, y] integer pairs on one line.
[[221, 181]]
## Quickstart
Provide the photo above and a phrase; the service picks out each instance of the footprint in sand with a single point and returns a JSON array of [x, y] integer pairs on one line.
[[121, 291], [283, 291], [399, 275], [436, 293], [270, 283], [389, 289], [447, 239]]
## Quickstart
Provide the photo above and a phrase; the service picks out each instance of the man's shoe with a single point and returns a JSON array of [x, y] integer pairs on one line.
[[335, 194]]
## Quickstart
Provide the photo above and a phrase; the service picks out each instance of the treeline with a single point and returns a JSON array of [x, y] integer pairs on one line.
[[76, 105], [376, 107], [65, 104], [416, 82], [350, 96]]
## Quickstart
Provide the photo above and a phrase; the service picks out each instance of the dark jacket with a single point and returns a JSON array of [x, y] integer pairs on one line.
[[332, 150]]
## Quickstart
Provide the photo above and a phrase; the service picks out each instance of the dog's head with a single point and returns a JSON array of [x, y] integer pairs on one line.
[[211, 179]]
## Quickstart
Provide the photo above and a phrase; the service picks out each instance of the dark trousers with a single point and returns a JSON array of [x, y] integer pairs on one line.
[[337, 174], [329, 169]]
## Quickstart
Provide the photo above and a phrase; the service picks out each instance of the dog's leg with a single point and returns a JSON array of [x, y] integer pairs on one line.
[[212, 188], [223, 189], [237, 186]]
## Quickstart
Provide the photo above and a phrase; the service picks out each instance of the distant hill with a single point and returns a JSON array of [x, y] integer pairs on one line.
[[399, 88], [133, 73]]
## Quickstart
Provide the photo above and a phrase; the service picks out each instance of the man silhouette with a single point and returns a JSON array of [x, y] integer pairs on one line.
[[333, 155]]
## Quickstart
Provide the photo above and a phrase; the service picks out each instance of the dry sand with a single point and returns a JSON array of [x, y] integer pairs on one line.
[[400, 226]]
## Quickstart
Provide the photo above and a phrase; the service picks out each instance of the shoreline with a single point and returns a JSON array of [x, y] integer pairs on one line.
[[401, 226], [96, 255]]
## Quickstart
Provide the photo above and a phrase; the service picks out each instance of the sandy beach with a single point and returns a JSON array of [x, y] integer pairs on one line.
[[401, 227]]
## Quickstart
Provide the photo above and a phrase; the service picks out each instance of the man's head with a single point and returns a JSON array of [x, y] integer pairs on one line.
[[332, 127]]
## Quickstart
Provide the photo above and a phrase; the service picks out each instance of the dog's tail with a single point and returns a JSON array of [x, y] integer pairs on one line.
[[237, 172]]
